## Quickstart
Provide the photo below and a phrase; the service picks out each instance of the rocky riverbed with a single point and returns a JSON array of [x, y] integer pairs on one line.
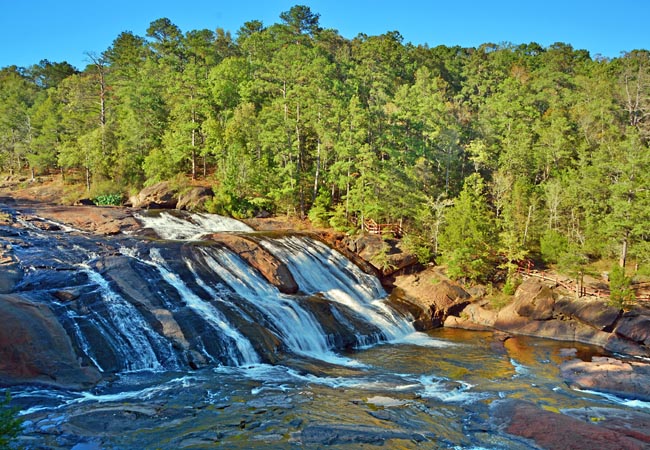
[[36, 349]]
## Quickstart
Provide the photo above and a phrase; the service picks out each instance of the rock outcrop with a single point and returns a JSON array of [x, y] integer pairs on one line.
[[35, 348], [436, 299], [158, 196], [625, 379], [559, 431]]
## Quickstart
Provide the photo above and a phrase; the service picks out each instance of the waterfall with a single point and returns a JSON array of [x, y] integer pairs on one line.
[[245, 353], [298, 329], [193, 227], [318, 268], [125, 328]]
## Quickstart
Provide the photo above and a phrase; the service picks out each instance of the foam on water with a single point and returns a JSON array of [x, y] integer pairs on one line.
[[168, 226]]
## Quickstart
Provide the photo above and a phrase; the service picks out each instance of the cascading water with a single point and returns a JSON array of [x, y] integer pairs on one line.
[[184, 333], [317, 268], [240, 350], [125, 327], [296, 326], [192, 227]]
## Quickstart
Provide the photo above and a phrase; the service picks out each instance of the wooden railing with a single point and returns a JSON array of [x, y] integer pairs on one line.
[[373, 227], [526, 270]]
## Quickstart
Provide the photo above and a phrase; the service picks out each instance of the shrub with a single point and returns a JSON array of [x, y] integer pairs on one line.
[[620, 292], [10, 424]]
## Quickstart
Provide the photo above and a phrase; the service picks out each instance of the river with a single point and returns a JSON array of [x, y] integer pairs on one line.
[[175, 326]]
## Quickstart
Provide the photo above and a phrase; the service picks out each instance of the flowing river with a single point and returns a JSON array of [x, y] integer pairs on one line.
[[198, 350]]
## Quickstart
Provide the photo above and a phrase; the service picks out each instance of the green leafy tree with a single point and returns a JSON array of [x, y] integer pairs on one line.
[[10, 424], [468, 236]]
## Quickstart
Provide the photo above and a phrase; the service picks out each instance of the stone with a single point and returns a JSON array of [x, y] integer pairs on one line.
[[593, 312], [194, 199], [158, 196], [625, 379], [556, 431], [635, 328], [34, 347]]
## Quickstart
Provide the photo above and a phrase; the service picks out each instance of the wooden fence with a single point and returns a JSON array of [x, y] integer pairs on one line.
[[526, 271], [373, 227]]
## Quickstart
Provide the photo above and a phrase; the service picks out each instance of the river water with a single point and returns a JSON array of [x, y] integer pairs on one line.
[[433, 392], [393, 388]]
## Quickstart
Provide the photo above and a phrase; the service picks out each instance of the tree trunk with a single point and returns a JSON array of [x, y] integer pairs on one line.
[[623, 259]]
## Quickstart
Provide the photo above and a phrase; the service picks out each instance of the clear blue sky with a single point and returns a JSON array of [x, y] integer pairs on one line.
[[64, 30]]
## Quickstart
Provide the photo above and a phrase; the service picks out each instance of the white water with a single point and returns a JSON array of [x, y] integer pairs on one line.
[[300, 332], [135, 336], [245, 352], [170, 227], [317, 268]]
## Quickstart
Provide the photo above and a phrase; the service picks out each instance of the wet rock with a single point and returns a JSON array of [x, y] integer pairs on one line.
[[100, 220], [554, 431], [627, 422], [274, 270], [354, 434], [34, 347], [626, 379], [10, 275]]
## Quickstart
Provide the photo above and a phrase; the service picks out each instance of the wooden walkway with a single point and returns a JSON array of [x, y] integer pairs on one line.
[[571, 285], [373, 227]]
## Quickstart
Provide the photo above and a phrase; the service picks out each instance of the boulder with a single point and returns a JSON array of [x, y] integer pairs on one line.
[[158, 196], [436, 299], [386, 255], [534, 300], [34, 348], [635, 327], [473, 317], [194, 199], [626, 379], [274, 270], [552, 430], [593, 312]]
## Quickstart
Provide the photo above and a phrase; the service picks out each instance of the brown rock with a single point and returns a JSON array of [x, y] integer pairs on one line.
[[635, 328], [534, 300], [34, 347], [275, 271], [627, 379], [436, 299], [194, 199], [158, 196], [550, 430], [594, 312], [101, 220]]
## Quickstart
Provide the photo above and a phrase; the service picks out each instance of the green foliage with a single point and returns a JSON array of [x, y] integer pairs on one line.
[[319, 214], [108, 200], [227, 203], [552, 246], [558, 142], [10, 424], [621, 294]]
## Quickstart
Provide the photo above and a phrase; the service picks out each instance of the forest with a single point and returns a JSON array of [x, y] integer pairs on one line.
[[487, 156]]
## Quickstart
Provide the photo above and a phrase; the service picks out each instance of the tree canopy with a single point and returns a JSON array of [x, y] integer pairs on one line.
[[484, 154]]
